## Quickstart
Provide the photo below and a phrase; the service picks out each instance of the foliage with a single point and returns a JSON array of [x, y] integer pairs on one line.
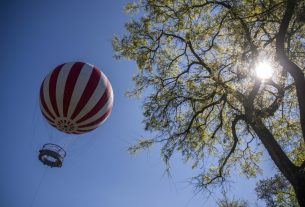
[[226, 202], [196, 58], [277, 192]]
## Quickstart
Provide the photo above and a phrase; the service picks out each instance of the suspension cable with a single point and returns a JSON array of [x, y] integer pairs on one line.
[[38, 187]]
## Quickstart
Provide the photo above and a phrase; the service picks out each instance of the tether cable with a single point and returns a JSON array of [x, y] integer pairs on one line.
[[38, 187]]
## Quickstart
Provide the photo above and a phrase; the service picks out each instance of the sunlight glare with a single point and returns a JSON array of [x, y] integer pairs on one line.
[[263, 70]]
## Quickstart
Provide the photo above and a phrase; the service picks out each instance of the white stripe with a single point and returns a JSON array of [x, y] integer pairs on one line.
[[94, 126], [80, 86], [96, 96], [100, 113], [60, 86], [45, 112], [46, 94], [88, 128]]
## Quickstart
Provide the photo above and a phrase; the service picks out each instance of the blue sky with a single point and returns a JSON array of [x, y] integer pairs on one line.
[[35, 37]]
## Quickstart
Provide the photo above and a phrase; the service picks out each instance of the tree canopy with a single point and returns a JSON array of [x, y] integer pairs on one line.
[[276, 192], [225, 201], [196, 59]]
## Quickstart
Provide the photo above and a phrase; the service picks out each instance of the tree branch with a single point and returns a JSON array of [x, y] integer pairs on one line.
[[274, 149], [287, 64]]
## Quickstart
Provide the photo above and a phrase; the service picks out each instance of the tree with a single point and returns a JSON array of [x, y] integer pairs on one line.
[[196, 58], [226, 202], [276, 191]]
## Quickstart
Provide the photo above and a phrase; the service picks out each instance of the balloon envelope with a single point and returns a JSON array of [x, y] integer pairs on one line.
[[76, 97]]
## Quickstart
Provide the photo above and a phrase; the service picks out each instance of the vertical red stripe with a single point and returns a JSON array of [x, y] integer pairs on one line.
[[70, 84], [102, 118], [43, 102], [84, 131], [51, 122], [52, 88], [87, 93], [99, 105], [47, 118]]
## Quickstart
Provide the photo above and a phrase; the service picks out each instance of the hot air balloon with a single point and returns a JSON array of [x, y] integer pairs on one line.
[[75, 98]]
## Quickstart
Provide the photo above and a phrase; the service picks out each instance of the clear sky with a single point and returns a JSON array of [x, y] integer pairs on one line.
[[36, 36]]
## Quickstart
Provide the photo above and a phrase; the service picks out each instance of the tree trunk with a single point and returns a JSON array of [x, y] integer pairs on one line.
[[275, 151], [295, 175], [299, 187]]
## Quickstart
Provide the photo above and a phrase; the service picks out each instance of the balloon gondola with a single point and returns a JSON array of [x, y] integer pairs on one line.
[[75, 98], [52, 155]]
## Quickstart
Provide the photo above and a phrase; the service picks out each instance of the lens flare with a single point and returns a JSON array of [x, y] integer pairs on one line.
[[263, 70]]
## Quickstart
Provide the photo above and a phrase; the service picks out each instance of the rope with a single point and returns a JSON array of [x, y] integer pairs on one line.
[[83, 147], [38, 187], [33, 127]]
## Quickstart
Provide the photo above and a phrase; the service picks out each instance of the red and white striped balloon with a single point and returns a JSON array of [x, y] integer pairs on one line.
[[76, 97]]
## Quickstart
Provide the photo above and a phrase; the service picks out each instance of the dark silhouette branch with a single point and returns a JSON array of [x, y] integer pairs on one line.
[[287, 64], [274, 149]]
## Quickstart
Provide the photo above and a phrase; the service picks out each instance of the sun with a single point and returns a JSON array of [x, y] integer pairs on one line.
[[264, 70]]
